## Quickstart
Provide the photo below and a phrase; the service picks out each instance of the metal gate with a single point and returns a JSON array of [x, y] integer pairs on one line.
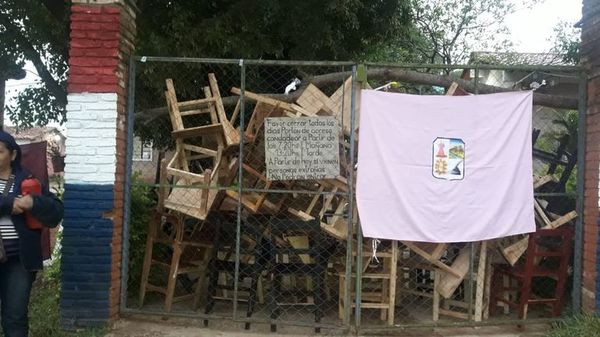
[[210, 235]]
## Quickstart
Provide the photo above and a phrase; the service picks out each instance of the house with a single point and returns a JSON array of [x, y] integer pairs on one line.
[[53, 136]]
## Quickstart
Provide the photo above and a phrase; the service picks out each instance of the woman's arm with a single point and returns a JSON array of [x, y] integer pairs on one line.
[[6, 205], [47, 208]]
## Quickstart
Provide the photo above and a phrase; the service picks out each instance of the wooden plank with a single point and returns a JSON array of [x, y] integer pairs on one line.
[[337, 233], [419, 249], [315, 198], [193, 112], [236, 112], [487, 289], [211, 108], [513, 252], [176, 122], [231, 135], [479, 292], [199, 149], [342, 99], [392, 291], [314, 100], [197, 131], [299, 242], [540, 211], [204, 193], [214, 120], [563, 220], [449, 282], [262, 98], [543, 181], [452, 89], [191, 178], [436, 296]]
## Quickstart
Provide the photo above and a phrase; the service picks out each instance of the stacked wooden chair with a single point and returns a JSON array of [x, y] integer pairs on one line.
[[307, 259], [198, 157], [185, 257], [547, 257], [378, 284], [221, 269]]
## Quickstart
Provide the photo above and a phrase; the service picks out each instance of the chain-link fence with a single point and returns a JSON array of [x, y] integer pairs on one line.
[[241, 188]]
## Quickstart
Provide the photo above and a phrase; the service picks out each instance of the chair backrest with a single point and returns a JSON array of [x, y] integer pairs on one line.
[[550, 244], [286, 228]]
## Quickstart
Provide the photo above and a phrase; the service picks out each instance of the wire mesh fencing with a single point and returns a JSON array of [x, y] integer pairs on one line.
[[242, 198]]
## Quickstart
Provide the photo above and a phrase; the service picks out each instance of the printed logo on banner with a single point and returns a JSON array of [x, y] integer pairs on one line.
[[448, 158]]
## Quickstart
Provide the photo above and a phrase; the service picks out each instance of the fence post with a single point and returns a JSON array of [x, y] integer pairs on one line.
[[127, 189], [578, 246], [239, 187], [358, 266]]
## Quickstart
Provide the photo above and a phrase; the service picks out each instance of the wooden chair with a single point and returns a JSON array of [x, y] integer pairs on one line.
[[445, 301], [186, 254], [548, 256], [328, 205], [221, 269], [170, 229], [309, 262], [198, 158], [378, 285]]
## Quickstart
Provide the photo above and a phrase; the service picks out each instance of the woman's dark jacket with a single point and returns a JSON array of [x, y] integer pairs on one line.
[[47, 209]]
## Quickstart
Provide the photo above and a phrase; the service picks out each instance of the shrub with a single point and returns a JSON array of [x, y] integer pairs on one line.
[[578, 326]]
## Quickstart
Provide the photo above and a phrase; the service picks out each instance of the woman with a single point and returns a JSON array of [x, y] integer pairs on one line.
[[22, 246]]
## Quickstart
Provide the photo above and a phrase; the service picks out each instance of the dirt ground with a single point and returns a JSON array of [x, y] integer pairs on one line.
[[176, 327]]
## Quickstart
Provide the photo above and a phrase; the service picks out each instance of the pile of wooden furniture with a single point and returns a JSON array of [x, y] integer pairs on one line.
[[195, 184]]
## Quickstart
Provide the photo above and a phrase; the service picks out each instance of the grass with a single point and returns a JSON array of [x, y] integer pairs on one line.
[[44, 314], [578, 326]]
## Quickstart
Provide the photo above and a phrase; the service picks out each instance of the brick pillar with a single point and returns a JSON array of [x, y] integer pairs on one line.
[[102, 35], [590, 58]]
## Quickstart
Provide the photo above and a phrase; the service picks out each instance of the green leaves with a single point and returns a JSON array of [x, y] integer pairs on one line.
[[30, 31]]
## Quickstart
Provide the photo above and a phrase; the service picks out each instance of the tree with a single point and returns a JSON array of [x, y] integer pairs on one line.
[[270, 29], [448, 31], [254, 29], [566, 41], [36, 31]]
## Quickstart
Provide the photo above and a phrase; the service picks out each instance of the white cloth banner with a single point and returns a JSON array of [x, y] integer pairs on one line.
[[445, 168]]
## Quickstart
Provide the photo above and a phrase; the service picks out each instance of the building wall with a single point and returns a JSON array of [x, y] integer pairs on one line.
[[590, 53]]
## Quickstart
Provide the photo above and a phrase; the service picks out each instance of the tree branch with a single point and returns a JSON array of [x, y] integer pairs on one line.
[[32, 55], [385, 74]]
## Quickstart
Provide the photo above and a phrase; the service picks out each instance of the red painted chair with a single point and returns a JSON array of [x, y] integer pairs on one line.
[[548, 256]]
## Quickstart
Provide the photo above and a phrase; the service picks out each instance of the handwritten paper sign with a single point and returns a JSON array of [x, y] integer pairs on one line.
[[302, 148]]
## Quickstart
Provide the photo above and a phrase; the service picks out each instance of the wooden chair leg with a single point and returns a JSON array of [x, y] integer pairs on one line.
[[273, 300], [392, 283], [436, 297], [524, 298], [384, 298], [172, 276], [342, 293], [505, 293], [151, 236], [202, 277]]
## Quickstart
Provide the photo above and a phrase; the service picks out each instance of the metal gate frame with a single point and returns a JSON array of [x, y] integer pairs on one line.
[[348, 324]]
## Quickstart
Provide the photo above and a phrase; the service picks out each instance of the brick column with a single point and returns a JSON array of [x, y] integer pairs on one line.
[[102, 35], [590, 58]]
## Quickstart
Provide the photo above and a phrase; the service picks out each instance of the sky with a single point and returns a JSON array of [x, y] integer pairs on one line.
[[530, 30]]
